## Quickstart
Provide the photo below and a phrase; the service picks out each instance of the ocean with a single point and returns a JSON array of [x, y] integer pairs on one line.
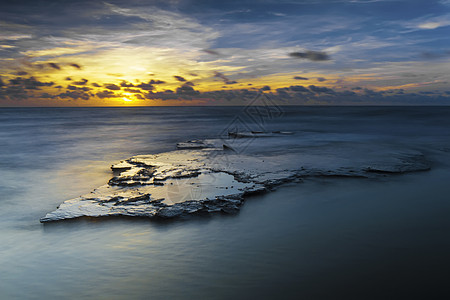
[[323, 238]]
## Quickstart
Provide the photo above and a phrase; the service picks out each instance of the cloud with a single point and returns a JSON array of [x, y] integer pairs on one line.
[[435, 55], [311, 55], [54, 66], [156, 81], [112, 87], [211, 51], [47, 96], [186, 90], [76, 66], [286, 95], [265, 88], [13, 92], [299, 88], [133, 91], [431, 25], [225, 79], [179, 78], [14, 37], [146, 86], [75, 95], [321, 79], [318, 89], [30, 83], [75, 88], [427, 22], [126, 84], [136, 37], [105, 94], [81, 82]]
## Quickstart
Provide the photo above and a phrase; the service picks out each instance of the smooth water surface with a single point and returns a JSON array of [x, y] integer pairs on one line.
[[325, 238]]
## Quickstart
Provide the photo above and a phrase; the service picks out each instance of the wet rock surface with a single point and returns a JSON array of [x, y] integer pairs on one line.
[[206, 177]]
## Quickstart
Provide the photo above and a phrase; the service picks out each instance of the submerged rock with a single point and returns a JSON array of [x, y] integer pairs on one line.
[[216, 178]]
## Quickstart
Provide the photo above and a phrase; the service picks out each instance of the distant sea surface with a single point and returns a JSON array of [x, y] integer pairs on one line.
[[324, 238]]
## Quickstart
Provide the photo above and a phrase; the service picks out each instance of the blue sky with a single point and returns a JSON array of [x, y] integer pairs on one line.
[[81, 53]]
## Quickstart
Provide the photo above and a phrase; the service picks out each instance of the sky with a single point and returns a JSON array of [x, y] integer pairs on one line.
[[187, 52]]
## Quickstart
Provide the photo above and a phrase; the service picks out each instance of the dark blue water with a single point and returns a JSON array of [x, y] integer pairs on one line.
[[326, 238]]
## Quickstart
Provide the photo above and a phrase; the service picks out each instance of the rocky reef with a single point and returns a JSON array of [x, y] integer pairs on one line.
[[207, 176]]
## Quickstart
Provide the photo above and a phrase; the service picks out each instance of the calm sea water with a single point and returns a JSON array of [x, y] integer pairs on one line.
[[326, 238]]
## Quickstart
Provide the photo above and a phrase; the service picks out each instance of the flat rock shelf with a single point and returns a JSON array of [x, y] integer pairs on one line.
[[210, 176]]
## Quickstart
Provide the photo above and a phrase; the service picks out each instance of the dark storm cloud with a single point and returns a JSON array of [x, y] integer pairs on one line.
[[81, 82], [265, 88], [112, 87], [1, 82], [54, 66], [311, 55], [189, 83], [22, 73], [179, 78], [68, 78], [300, 78], [95, 84], [76, 66], [225, 79], [321, 79]]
